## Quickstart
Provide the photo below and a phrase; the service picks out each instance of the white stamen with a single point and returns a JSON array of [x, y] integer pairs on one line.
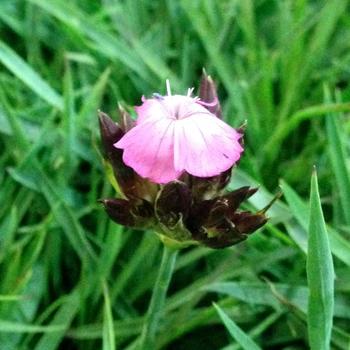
[[189, 91], [168, 90]]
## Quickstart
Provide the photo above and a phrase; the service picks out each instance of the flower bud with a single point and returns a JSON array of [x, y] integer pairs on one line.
[[246, 222], [120, 211], [130, 184], [217, 222], [135, 214], [208, 95], [126, 121], [221, 236]]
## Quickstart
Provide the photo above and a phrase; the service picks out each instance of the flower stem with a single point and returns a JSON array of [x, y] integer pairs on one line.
[[155, 308]]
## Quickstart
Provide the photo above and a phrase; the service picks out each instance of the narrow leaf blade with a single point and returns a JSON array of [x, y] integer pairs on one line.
[[108, 327], [32, 79], [242, 338], [337, 156], [320, 275]]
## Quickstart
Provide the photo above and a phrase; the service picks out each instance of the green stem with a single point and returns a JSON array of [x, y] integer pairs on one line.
[[156, 306]]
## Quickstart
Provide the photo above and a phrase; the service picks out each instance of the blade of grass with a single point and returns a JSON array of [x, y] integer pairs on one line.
[[69, 121], [106, 43], [63, 318], [124, 328], [14, 123], [108, 327], [337, 156], [241, 337], [272, 294], [155, 312], [340, 246], [209, 40], [10, 297], [93, 100], [327, 19], [15, 327], [142, 252], [13, 62], [284, 129], [115, 238], [258, 329], [320, 275], [8, 229], [65, 217]]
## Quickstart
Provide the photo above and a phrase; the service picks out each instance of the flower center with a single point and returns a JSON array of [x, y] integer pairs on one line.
[[180, 107]]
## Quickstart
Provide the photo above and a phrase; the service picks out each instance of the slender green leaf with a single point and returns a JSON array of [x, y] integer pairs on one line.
[[27, 74], [93, 101], [242, 338], [105, 42], [63, 318], [10, 297], [335, 138], [123, 328], [210, 42], [273, 294], [339, 245], [294, 121], [108, 327], [66, 218], [15, 327], [320, 275]]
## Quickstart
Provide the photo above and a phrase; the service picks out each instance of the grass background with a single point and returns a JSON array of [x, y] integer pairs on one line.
[[70, 278]]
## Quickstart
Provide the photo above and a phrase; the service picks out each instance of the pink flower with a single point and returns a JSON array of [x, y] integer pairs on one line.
[[176, 134]]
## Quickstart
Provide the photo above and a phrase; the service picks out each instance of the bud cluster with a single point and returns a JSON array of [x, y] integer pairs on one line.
[[188, 210]]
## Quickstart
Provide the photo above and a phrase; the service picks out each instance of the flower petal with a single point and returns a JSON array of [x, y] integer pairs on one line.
[[149, 150], [150, 108], [205, 146]]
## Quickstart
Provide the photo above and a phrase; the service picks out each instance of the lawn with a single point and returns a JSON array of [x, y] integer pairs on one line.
[[70, 278]]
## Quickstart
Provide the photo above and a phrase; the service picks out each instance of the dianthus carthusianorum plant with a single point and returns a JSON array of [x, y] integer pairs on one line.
[[171, 167]]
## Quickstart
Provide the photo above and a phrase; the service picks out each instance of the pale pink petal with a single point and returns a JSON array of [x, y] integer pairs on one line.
[[205, 146], [150, 108], [176, 134], [149, 150]]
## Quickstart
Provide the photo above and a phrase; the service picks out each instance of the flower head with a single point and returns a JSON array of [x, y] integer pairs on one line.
[[171, 167], [176, 134]]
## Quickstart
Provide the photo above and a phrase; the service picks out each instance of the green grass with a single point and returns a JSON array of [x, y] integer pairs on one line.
[[72, 279]]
